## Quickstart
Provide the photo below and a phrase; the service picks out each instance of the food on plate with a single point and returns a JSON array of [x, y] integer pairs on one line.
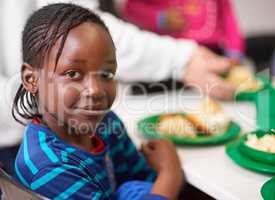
[[210, 118], [243, 79], [176, 124], [265, 143]]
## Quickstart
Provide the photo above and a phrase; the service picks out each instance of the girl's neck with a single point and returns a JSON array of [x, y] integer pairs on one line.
[[82, 141]]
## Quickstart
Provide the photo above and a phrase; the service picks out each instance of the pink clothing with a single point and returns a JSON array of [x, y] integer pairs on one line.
[[210, 22]]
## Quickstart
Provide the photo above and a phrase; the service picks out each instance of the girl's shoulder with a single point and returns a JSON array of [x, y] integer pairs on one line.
[[111, 127], [111, 115]]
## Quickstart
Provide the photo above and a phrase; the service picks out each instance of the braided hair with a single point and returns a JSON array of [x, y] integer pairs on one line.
[[42, 30]]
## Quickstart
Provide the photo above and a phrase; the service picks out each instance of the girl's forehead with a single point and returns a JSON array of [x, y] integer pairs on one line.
[[88, 42]]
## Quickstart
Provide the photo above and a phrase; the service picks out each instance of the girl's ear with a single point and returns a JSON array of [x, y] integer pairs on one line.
[[29, 77]]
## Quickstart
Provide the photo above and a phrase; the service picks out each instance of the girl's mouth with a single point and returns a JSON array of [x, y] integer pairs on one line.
[[90, 110]]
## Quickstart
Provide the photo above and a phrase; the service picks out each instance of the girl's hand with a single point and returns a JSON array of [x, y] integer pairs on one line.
[[162, 156]]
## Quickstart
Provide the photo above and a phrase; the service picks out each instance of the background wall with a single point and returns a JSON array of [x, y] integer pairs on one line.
[[256, 16]]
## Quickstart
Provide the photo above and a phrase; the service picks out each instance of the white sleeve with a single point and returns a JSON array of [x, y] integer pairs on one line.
[[11, 132], [145, 56], [141, 55]]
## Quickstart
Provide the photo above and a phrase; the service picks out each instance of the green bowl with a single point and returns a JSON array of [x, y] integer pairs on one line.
[[268, 191], [257, 155]]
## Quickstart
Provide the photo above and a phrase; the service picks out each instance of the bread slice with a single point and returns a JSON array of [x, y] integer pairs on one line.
[[243, 79], [176, 124], [210, 118]]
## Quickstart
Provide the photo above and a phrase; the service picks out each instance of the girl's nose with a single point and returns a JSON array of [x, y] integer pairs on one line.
[[94, 88]]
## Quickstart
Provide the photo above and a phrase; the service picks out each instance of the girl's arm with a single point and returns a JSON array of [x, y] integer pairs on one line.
[[143, 13], [129, 163], [233, 42], [66, 182], [162, 156]]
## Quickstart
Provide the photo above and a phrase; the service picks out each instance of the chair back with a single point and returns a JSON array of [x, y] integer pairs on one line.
[[12, 190]]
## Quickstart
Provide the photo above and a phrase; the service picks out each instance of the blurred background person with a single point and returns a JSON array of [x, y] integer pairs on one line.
[[211, 23], [258, 30]]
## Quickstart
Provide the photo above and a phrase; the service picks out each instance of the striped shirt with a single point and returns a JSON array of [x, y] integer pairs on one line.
[[57, 170]]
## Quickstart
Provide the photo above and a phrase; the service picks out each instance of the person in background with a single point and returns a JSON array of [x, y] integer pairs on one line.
[[211, 23]]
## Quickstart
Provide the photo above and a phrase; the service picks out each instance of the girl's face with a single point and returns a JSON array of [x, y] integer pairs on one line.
[[81, 89]]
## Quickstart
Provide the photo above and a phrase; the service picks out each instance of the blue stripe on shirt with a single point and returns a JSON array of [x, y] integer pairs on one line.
[[130, 150], [139, 166], [117, 149], [70, 149], [97, 196], [42, 142], [151, 177], [100, 176], [71, 190], [19, 175], [122, 168], [50, 176], [27, 159]]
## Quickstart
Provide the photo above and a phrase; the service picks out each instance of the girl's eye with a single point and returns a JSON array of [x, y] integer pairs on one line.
[[107, 75], [73, 74]]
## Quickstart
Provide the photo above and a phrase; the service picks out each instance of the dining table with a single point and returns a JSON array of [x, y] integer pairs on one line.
[[207, 168]]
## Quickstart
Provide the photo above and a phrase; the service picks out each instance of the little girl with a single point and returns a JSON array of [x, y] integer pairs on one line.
[[211, 23], [74, 147]]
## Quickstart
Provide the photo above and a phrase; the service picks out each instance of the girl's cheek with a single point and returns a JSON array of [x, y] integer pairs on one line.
[[111, 91], [47, 95], [70, 97]]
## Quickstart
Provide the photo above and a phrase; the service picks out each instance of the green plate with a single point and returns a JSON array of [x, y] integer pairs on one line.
[[147, 128], [233, 152], [268, 190], [250, 96], [255, 154]]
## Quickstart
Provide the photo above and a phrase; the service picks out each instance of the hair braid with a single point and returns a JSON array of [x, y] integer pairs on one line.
[[42, 30]]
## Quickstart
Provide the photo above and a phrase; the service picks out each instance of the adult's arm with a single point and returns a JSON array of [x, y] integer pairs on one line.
[[11, 132]]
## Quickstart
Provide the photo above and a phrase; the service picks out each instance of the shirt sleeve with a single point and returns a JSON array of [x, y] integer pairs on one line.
[[66, 182], [137, 190], [145, 56], [11, 131], [153, 197], [138, 168], [129, 163]]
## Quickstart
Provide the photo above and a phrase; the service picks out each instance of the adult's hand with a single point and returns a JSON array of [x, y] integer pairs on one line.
[[203, 72]]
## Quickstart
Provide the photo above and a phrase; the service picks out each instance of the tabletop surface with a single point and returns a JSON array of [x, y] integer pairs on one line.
[[207, 168]]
